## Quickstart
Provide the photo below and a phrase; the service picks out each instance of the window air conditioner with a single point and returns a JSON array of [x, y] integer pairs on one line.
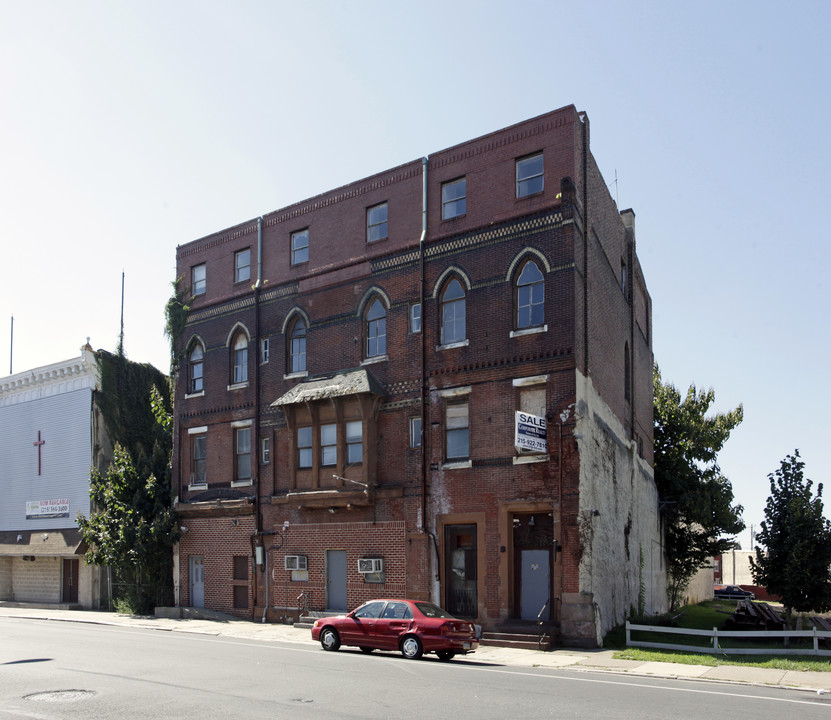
[[370, 565], [296, 562]]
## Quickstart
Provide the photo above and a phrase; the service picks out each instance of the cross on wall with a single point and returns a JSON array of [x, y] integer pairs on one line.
[[38, 444]]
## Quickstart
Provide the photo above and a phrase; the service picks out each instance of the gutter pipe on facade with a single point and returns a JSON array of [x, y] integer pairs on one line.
[[424, 455], [257, 507]]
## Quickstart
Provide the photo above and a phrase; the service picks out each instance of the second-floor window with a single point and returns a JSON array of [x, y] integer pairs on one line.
[[304, 447], [354, 442], [242, 266], [376, 223], [457, 437], [198, 459], [242, 451], [376, 329]]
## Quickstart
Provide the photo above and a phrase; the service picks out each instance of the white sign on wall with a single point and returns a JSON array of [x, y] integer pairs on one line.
[[36, 509], [530, 432]]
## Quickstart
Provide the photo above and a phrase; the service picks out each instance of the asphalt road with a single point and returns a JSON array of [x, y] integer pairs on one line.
[[72, 670]]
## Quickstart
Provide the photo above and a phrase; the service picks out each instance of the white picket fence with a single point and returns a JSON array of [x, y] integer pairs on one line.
[[715, 634]]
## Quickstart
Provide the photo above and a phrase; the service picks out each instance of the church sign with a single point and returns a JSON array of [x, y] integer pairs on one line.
[[530, 435]]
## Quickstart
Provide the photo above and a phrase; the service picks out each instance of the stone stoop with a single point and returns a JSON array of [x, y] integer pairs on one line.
[[523, 637], [306, 621]]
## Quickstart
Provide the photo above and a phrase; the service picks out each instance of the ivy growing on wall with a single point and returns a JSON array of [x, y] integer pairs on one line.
[[176, 316]]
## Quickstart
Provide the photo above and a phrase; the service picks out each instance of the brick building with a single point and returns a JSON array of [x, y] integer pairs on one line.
[[434, 382]]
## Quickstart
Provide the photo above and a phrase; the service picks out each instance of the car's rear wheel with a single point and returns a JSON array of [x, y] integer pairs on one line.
[[367, 650], [329, 639], [411, 647], [445, 655]]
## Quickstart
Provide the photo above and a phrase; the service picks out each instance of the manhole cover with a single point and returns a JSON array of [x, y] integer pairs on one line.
[[60, 695]]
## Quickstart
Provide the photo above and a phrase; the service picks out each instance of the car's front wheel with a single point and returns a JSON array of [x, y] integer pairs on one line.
[[329, 639], [411, 647]]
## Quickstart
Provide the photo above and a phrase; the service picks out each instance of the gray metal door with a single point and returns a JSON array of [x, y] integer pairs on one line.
[[535, 584], [336, 580], [197, 581]]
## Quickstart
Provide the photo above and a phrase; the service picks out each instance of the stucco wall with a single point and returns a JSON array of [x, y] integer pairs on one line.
[[701, 586], [618, 518]]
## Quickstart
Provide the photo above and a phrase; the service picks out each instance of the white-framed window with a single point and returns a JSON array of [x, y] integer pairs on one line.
[[415, 432], [297, 347], [265, 346], [304, 447], [354, 442], [240, 359], [265, 450], [376, 222], [198, 458], [196, 369], [376, 329], [453, 313], [300, 247], [457, 436], [242, 453], [328, 445], [529, 175], [530, 297], [453, 198], [415, 317], [198, 279], [242, 265]]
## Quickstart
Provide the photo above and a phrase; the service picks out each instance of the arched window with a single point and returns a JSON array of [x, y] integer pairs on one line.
[[453, 313], [195, 369], [376, 329], [239, 359], [530, 297], [297, 347]]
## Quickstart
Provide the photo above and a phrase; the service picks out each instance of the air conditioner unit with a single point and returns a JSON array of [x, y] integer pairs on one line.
[[370, 565], [296, 562]]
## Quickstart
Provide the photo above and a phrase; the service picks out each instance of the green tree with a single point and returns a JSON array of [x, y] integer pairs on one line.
[[796, 561], [132, 526], [696, 498]]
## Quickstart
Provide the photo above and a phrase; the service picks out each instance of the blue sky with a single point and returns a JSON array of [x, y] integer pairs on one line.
[[128, 128]]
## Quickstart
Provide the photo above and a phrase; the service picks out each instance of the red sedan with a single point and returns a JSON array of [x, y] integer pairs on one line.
[[411, 626]]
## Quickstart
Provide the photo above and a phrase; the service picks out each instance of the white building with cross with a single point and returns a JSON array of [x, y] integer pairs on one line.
[[52, 435]]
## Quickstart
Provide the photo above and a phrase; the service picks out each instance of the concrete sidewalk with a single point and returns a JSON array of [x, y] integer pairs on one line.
[[207, 623]]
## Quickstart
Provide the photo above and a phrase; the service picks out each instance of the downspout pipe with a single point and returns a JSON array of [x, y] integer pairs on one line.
[[257, 487], [422, 295], [423, 344]]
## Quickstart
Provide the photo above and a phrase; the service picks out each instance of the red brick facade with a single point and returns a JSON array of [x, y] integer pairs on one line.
[[457, 517]]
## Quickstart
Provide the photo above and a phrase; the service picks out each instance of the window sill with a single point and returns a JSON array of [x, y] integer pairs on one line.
[[238, 386], [450, 346], [375, 359], [188, 396], [242, 483], [454, 217], [292, 376], [457, 464], [527, 459], [201, 486], [528, 331]]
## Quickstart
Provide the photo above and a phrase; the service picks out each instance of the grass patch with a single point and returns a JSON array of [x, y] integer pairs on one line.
[[706, 616]]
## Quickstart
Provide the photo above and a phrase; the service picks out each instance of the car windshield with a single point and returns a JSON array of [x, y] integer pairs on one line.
[[432, 611]]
